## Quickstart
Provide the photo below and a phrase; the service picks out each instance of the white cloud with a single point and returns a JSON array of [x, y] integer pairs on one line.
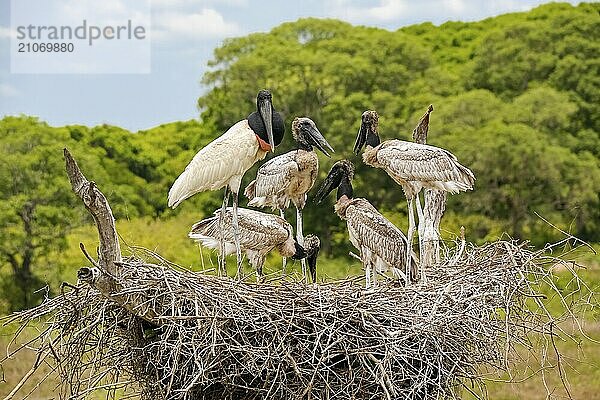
[[172, 3], [393, 14], [507, 6], [207, 23], [6, 33], [105, 12], [454, 6], [7, 90], [77, 9], [195, 3], [384, 10]]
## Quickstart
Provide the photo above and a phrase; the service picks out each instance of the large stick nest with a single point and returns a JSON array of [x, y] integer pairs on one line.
[[217, 338]]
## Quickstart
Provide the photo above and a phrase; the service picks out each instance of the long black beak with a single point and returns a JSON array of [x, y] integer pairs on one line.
[[265, 108], [333, 180], [319, 140], [312, 266], [361, 138]]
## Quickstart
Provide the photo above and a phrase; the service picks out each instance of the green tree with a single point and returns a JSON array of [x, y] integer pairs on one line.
[[516, 92], [36, 208]]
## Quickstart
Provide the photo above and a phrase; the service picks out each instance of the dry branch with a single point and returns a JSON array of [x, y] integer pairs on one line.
[[105, 274], [95, 202]]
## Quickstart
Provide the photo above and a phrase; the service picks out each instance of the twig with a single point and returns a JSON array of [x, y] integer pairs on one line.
[[571, 237], [38, 361]]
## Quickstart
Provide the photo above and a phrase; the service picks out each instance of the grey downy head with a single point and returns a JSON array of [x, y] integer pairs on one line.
[[368, 133], [307, 135]]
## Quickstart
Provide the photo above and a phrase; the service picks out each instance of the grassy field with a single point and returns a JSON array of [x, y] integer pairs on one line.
[[168, 238]]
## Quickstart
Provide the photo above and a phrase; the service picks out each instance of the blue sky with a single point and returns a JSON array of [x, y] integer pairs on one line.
[[184, 34]]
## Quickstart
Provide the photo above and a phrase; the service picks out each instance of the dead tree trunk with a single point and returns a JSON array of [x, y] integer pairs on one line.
[[433, 207], [107, 271]]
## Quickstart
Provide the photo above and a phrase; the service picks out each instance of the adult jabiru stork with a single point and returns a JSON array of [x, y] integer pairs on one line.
[[223, 162], [434, 205], [413, 166], [288, 177]]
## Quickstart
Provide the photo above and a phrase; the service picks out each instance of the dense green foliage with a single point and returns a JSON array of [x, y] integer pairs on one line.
[[37, 207], [517, 99]]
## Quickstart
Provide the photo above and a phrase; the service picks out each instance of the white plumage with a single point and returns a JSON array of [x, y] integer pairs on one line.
[[224, 161]]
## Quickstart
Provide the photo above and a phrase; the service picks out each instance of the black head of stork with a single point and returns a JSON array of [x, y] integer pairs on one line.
[[310, 251], [368, 133], [266, 123], [300, 252], [307, 135], [312, 246], [340, 177]]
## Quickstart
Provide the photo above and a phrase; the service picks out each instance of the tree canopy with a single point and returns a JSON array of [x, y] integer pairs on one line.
[[515, 99]]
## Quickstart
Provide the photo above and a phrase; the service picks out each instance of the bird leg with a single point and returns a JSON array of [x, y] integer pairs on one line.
[[421, 230], [284, 259], [368, 268], [374, 269], [300, 240], [421, 226], [367, 258], [236, 233], [259, 269], [256, 261], [222, 261], [411, 230]]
